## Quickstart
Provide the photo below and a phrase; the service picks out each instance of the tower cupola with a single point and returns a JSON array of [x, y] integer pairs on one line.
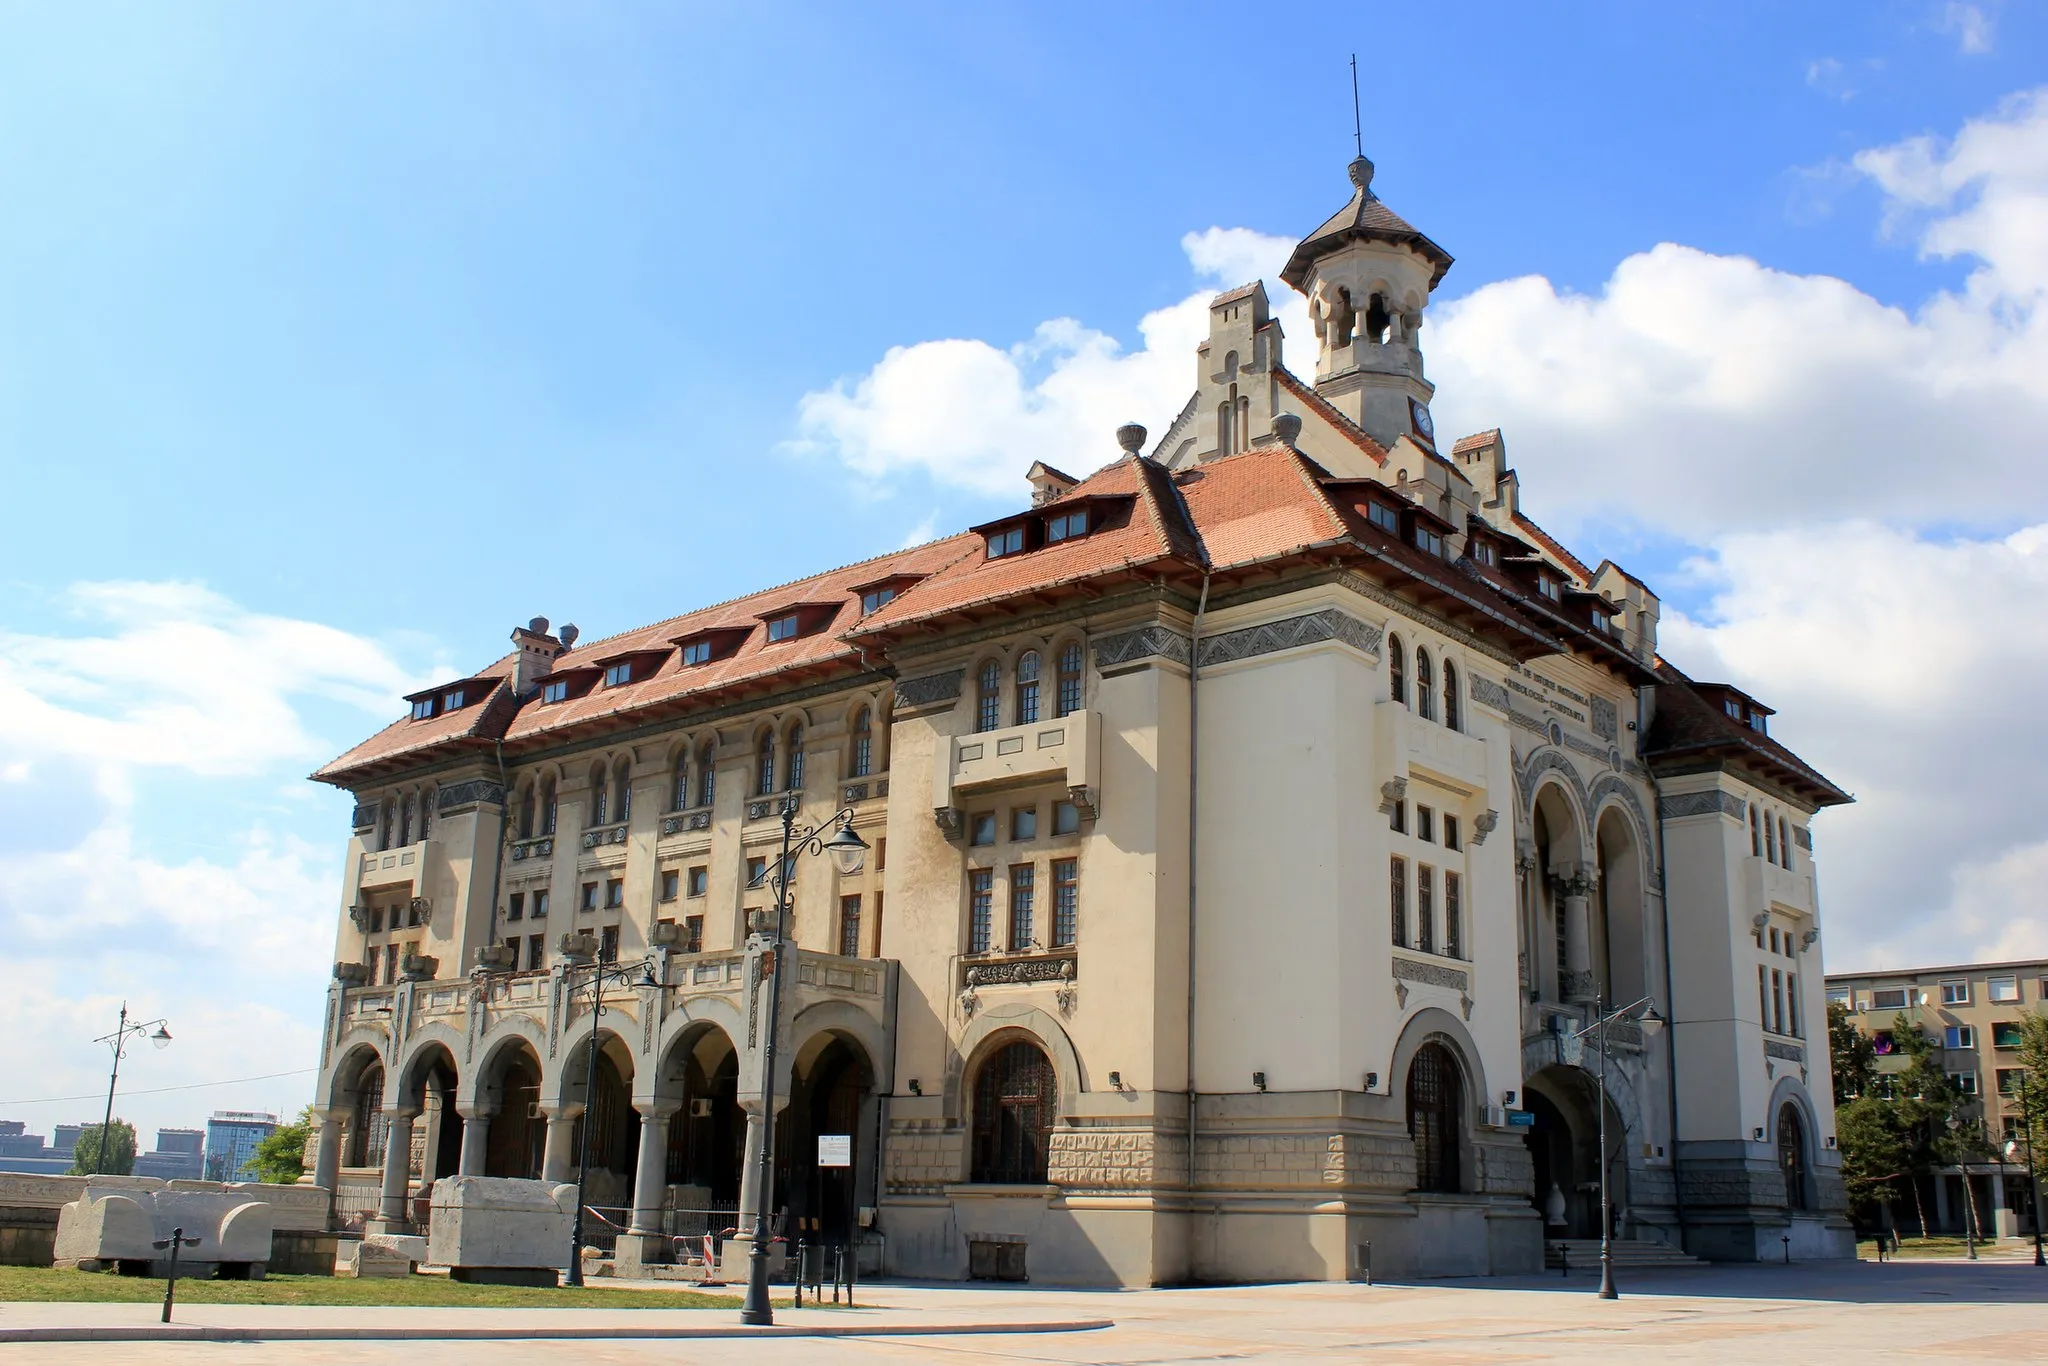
[[1367, 274]]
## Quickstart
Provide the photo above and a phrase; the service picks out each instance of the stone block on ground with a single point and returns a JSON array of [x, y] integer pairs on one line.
[[482, 1223], [366, 1260], [106, 1228]]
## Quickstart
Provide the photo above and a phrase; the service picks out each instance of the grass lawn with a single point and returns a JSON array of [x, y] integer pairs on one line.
[[1920, 1247], [48, 1284]]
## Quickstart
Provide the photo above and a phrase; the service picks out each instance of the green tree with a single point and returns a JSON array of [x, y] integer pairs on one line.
[[120, 1158], [2033, 1057], [281, 1158], [1852, 1055], [1876, 1157]]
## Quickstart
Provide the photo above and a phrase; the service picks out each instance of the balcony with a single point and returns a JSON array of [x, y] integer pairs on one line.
[[388, 868], [1063, 751], [1409, 744]]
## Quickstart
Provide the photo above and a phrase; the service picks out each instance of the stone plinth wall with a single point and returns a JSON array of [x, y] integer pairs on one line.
[[925, 1156], [29, 1204], [28, 1237], [1116, 1158]]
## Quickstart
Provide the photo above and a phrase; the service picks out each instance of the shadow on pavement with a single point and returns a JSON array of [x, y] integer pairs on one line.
[[1906, 1282]]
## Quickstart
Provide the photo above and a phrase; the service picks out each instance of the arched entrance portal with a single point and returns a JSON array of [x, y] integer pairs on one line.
[[831, 1097], [613, 1125], [1564, 1146], [707, 1139], [518, 1131]]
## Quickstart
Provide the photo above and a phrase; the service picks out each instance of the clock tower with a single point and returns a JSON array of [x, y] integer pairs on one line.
[[1368, 275]]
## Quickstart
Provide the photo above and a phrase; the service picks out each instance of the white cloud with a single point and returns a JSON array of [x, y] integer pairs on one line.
[[1826, 75], [1907, 669], [1971, 26]]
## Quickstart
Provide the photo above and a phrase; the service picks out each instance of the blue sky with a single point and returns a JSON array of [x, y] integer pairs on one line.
[[398, 324]]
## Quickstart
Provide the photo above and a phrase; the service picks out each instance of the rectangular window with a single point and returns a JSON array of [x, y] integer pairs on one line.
[[1023, 905], [700, 878], [390, 964], [849, 926], [614, 893], [1069, 699], [1066, 526], [1397, 897], [608, 944], [453, 700], [1547, 586], [1777, 1001], [1425, 824], [1451, 831], [983, 830], [980, 909], [1454, 915], [554, 691], [1425, 908], [515, 909], [619, 674], [1763, 995], [1792, 1004], [1774, 939], [671, 884], [875, 599], [2002, 990], [1484, 552], [589, 901], [1066, 818], [1888, 998], [1397, 819], [1961, 1037], [540, 906], [536, 952], [1838, 996], [693, 934], [1066, 901], [1964, 1082], [1024, 823], [2009, 1080], [2007, 1034], [697, 652], [1429, 542], [1383, 517], [422, 709], [757, 871], [782, 628], [1001, 543]]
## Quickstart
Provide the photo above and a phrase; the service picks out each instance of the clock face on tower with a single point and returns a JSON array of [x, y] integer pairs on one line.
[[1418, 417]]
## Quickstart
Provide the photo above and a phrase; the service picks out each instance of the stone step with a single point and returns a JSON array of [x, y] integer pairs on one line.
[[1635, 1253]]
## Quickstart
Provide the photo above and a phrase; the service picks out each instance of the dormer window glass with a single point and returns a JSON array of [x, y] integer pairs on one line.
[[782, 628], [697, 652], [1007, 542], [556, 691], [453, 699], [1756, 722], [1548, 587], [1732, 707], [875, 599], [1429, 542], [1383, 517], [1485, 553], [1066, 526], [422, 709], [618, 675]]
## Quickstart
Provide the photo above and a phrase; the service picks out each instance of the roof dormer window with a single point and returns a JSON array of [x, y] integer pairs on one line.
[[1485, 552], [423, 708], [1383, 517], [1009, 541], [1548, 586], [453, 699], [875, 599], [555, 690], [1066, 526], [697, 652], [1732, 707], [619, 674], [1428, 541], [1756, 723], [783, 627]]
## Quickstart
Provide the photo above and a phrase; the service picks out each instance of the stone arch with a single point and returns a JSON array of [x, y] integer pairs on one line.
[[999, 1024], [844, 1020], [712, 1012], [1542, 1051], [1790, 1091], [428, 1044], [359, 1050], [1528, 780], [1434, 1025], [564, 1074], [479, 1081], [1621, 894]]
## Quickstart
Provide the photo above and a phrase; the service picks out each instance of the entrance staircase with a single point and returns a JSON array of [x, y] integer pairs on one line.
[[1630, 1254]]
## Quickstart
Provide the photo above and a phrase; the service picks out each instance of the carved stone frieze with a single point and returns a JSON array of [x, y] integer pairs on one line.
[[1543, 761], [1606, 722], [475, 792], [1019, 971], [1785, 1052], [681, 821], [923, 692], [597, 839], [1431, 974], [543, 847], [364, 817], [1308, 629], [1701, 804], [854, 792], [1147, 642], [1488, 693]]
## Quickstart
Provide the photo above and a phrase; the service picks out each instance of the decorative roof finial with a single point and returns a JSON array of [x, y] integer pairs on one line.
[[1361, 173]]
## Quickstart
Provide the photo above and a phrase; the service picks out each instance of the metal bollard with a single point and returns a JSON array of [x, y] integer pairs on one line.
[[1564, 1260], [799, 1278], [1786, 1239]]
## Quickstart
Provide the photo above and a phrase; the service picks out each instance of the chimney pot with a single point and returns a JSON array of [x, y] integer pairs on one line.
[[539, 626], [568, 635]]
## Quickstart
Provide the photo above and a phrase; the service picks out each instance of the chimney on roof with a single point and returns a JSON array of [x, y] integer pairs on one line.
[[537, 654], [1048, 483]]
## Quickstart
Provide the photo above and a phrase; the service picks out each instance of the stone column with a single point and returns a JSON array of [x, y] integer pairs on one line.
[[391, 1199], [644, 1243], [750, 1168], [1578, 983], [327, 1156], [558, 1158], [476, 1140]]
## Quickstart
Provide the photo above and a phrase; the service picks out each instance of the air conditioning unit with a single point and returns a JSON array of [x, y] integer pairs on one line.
[[1496, 1116], [700, 1107]]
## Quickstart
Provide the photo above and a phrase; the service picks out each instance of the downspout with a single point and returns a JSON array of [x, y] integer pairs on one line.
[[504, 834], [1670, 997], [1194, 807]]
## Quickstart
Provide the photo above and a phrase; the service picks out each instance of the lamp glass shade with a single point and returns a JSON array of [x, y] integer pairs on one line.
[[847, 848], [1653, 1023], [162, 1037]]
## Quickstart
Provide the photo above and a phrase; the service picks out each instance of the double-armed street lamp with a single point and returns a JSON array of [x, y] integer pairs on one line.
[[601, 973], [123, 1034], [2033, 1178], [848, 851], [1644, 1013]]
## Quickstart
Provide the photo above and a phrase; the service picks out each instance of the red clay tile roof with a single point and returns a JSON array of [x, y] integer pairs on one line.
[[1555, 547], [1687, 726], [1475, 441]]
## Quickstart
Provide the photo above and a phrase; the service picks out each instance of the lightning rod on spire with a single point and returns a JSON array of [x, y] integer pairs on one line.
[[1357, 123]]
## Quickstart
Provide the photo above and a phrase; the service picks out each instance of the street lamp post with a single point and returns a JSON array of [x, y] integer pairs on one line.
[[118, 1041], [848, 850], [1955, 1125], [1651, 1022], [599, 975], [2033, 1180]]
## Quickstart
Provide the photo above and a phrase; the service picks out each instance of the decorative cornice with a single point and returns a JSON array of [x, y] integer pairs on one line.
[[1430, 974], [1700, 804], [1128, 648], [1785, 1052], [1289, 633], [1487, 693], [473, 793], [923, 692]]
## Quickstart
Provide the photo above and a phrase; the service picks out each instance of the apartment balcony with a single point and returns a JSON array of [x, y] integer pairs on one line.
[[1063, 751], [1409, 744]]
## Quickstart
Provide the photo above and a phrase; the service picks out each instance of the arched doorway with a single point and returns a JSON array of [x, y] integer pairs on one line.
[[1564, 1148], [1436, 1119], [1015, 1104], [707, 1138], [359, 1094], [517, 1136], [1792, 1157], [427, 1086], [608, 1114], [830, 1095]]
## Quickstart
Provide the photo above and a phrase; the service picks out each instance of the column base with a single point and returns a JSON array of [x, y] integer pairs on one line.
[[638, 1251], [736, 1254], [388, 1226]]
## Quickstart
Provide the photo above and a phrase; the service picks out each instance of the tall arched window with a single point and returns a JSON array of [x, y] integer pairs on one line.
[[1069, 699], [1451, 695], [1027, 688], [525, 819], [405, 810], [1756, 838], [1397, 671], [796, 757], [386, 818], [1425, 685], [600, 797], [622, 788], [1016, 1101], [707, 774], [1770, 838], [1792, 1157], [432, 797], [764, 765], [1436, 1103], [547, 805], [682, 778], [863, 744], [988, 696], [1784, 842]]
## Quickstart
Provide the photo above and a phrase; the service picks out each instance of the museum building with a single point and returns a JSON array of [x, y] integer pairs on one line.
[[1257, 825]]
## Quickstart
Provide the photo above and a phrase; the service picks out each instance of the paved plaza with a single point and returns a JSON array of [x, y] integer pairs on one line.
[[1913, 1311]]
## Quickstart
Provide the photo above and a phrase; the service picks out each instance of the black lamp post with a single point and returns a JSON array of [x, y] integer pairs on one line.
[[599, 975], [1955, 1125], [848, 850], [118, 1041], [2033, 1180], [1651, 1022]]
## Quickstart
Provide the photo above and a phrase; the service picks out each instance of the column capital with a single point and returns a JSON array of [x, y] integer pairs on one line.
[[566, 1110], [657, 1108], [408, 1113], [476, 1110]]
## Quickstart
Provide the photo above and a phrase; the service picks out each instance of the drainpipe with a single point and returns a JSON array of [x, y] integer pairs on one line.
[[1643, 708], [1194, 807], [504, 833]]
